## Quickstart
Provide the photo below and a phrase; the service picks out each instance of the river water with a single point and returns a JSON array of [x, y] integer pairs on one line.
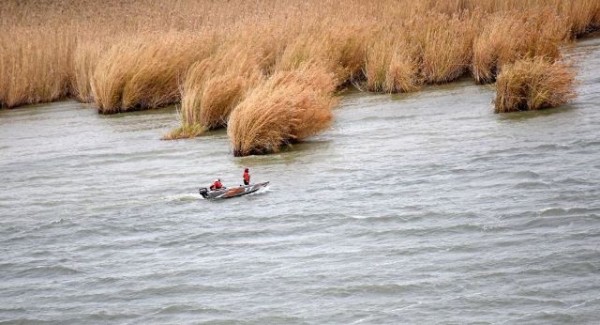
[[418, 208]]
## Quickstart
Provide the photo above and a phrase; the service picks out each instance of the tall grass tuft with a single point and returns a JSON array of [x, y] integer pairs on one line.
[[512, 36], [85, 58], [533, 84], [288, 107], [345, 51], [35, 65], [582, 16], [391, 66], [340, 50], [185, 131], [145, 72], [445, 44], [215, 85]]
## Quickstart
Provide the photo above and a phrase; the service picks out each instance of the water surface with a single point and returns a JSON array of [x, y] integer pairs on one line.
[[418, 208]]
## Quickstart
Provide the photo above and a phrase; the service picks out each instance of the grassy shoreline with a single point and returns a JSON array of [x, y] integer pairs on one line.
[[238, 63]]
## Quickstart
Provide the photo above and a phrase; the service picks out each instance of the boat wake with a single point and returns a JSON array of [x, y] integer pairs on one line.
[[260, 191], [187, 197]]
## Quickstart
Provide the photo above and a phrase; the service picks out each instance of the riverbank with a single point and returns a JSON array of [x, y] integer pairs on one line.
[[145, 54]]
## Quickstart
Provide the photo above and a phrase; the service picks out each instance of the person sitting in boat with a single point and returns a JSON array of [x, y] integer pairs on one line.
[[246, 176], [216, 185]]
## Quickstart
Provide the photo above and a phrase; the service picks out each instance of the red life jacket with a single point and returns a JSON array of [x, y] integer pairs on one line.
[[247, 177], [216, 185]]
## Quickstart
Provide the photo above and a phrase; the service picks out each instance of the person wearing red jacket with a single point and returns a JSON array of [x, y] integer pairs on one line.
[[216, 185], [246, 176]]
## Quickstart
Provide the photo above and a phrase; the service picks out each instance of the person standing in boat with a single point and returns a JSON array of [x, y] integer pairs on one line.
[[246, 176], [216, 185]]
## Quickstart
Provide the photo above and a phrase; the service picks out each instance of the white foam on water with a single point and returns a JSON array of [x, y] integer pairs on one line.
[[183, 197]]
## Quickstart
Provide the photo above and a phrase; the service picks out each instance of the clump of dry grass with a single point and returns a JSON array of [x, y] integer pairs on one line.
[[582, 16], [512, 36], [533, 84], [221, 94], [390, 66], [445, 44], [341, 50], [185, 131], [428, 50], [34, 65], [288, 107], [345, 51], [85, 58], [214, 86], [145, 72]]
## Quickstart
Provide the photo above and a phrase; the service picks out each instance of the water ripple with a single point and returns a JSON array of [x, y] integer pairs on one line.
[[412, 209]]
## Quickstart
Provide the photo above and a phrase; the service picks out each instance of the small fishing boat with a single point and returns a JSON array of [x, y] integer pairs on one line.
[[229, 192]]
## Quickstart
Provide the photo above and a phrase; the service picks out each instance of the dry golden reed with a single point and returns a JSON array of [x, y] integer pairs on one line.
[[30, 73], [512, 36], [288, 107], [85, 59], [212, 55], [52, 49], [533, 84], [445, 44], [185, 131], [215, 85], [391, 67], [145, 72]]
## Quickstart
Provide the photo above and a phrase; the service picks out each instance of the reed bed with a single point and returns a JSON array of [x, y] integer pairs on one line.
[[534, 84], [216, 57], [213, 87]]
